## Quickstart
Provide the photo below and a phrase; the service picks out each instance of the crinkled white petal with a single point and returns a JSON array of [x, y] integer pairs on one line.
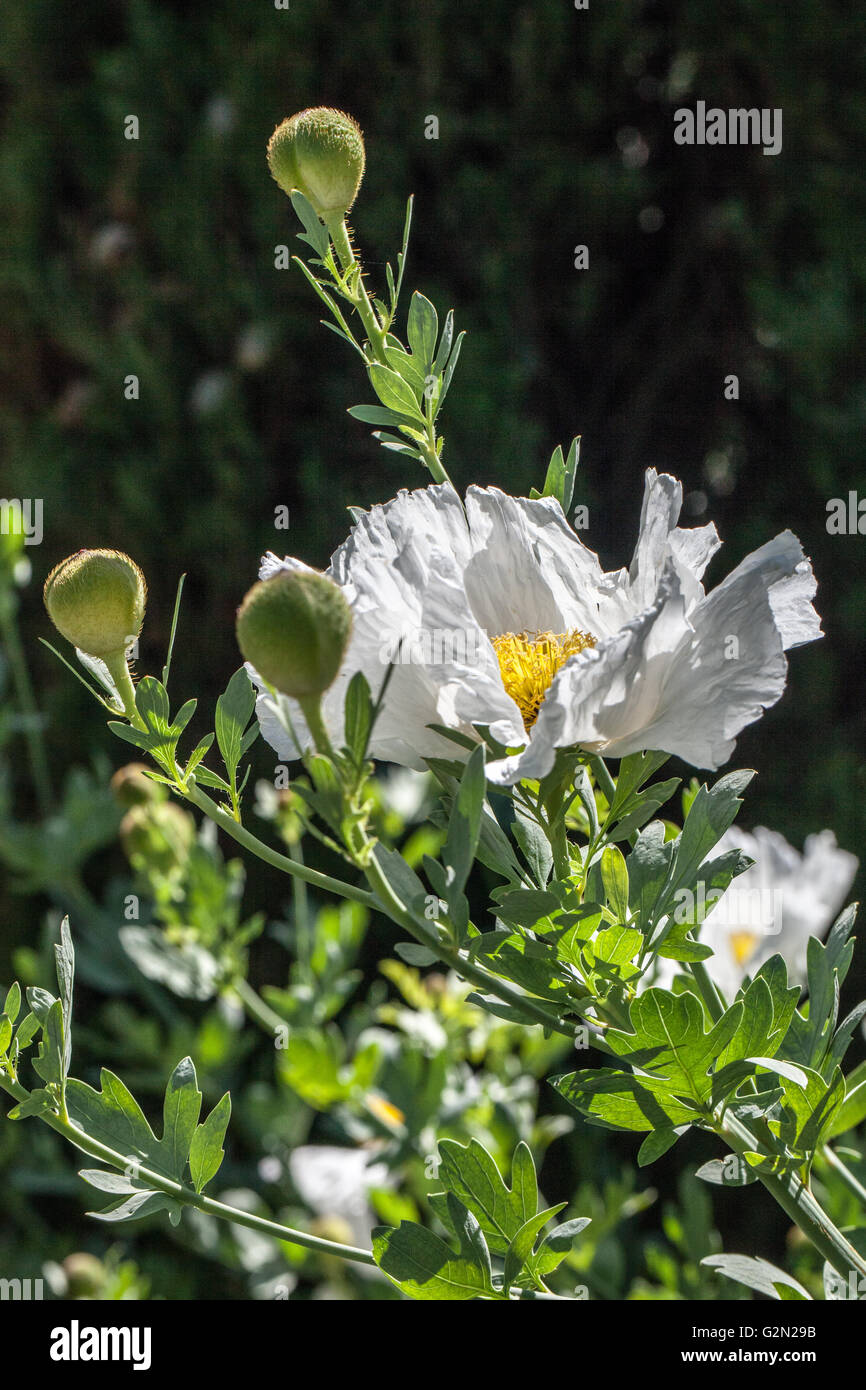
[[601, 692], [271, 565], [529, 572], [401, 572], [687, 679], [673, 668], [660, 540]]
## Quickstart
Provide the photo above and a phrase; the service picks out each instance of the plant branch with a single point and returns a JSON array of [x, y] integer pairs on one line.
[[186, 1195], [270, 856], [800, 1204]]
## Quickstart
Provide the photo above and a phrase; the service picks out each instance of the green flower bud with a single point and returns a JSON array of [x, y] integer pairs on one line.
[[320, 152], [294, 628], [96, 600], [159, 833], [131, 787], [85, 1274]]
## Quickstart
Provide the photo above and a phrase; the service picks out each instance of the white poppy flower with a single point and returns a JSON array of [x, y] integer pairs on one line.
[[774, 907], [507, 620]]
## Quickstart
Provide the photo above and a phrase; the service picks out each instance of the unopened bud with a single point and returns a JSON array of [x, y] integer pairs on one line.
[[132, 786], [160, 833], [96, 600], [85, 1274], [320, 152], [294, 629]]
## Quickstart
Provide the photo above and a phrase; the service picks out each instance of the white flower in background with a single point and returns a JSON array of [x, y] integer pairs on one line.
[[508, 620], [774, 907], [334, 1181], [406, 792]]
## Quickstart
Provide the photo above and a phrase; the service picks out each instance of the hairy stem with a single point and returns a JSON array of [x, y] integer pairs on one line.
[[118, 669], [343, 246], [377, 337]]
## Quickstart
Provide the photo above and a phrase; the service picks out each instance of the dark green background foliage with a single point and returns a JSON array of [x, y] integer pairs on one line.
[[156, 257]]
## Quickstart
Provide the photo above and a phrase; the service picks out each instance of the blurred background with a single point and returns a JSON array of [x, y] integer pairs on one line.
[[155, 257]]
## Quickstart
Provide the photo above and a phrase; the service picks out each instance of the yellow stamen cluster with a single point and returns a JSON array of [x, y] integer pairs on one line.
[[743, 945], [528, 662]]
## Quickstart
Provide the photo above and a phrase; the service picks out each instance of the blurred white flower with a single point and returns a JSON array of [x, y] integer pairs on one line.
[[254, 347], [220, 115], [334, 1182], [406, 792], [774, 907], [506, 619], [210, 392]]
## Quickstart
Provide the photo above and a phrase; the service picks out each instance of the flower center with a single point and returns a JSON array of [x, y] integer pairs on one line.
[[528, 662], [743, 945]]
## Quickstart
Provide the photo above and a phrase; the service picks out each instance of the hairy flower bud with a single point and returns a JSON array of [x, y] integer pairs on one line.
[[320, 152], [132, 787], [294, 629], [96, 600], [160, 833], [85, 1274]]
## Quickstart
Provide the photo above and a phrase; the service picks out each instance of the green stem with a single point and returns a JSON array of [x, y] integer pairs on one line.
[[452, 956], [709, 993], [603, 777], [799, 1203], [270, 856], [258, 1010], [27, 704], [301, 905], [187, 1195], [377, 336], [311, 708], [851, 1182], [118, 669], [343, 246], [430, 448]]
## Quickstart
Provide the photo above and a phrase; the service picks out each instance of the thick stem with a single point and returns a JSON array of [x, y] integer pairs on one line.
[[118, 669], [800, 1204], [311, 708]]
